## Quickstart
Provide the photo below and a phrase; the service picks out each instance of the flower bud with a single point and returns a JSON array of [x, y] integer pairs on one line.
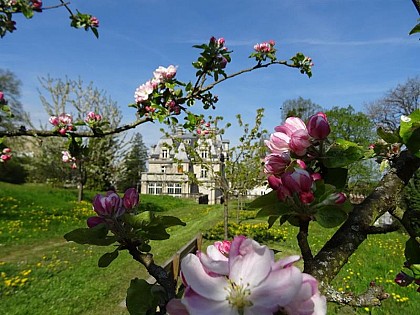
[[276, 164], [223, 247], [94, 221], [403, 279], [318, 126], [109, 205], [131, 198], [298, 181], [306, 197]]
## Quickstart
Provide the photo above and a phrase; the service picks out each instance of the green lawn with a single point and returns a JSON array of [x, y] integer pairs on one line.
[[40, 273]]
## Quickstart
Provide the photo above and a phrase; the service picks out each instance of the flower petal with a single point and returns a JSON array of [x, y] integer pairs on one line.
[[200, 281], [214, 261], [198, 305], [280, 288], [252, 265]]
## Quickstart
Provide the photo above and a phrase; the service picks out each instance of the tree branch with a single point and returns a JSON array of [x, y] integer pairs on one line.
[[302, 238], [88, 134], [417, 5], [336, 252]]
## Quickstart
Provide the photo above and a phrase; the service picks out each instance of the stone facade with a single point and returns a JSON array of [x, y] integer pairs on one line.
[[169, 164]]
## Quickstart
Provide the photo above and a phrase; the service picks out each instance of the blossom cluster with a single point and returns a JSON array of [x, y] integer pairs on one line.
[[92, 119], [144, 93], [265, 47], [6, 155], [263, 51], [62, 123], [112, 206], [287, 172], [242, 277], [67, 158]]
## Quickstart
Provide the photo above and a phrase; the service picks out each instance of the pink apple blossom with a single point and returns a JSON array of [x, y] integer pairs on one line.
[[110, 205], [291, 136], [248, 281], [318, 126], [276, 164], [163, 74], [298, 181], [53, 120], [143, 91], [94, 22], [223, 247], [7, 150], [130, 198]]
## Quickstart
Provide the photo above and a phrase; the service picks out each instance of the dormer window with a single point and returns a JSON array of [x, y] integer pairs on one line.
[[164, 153]]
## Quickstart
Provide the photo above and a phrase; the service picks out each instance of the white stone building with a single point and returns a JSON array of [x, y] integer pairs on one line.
[[169, 164]]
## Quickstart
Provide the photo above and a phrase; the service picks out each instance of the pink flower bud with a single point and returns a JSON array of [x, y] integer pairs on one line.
[[318, 126], [131, 198], [223, 247], [62, 131], [274, 182], [301, 164], [5, 157], [1, 96], [276, 164], [316, 176], [94, 221], [340, 198], [298, 181], [94, 22], [7, 150], [299, 142], [306, 197], [109, 205], [403, 280], [53, 120]]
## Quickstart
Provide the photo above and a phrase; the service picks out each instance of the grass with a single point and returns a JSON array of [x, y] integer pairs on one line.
[[40, 273]]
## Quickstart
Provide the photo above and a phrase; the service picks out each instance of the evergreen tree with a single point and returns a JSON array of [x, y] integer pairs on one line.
[[133, 165]]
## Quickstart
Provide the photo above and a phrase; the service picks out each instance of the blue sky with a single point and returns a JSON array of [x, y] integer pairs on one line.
[[361, 49]]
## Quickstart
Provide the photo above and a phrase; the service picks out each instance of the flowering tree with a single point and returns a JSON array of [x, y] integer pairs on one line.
[[306, 172]]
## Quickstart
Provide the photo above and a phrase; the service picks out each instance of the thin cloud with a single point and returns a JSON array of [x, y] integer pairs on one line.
[[383, 41]]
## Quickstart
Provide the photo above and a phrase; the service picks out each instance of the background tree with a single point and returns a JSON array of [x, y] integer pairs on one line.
[[402, 100], [357, 127], [72, 96], [133, 164], [299, 107], [10, 85]]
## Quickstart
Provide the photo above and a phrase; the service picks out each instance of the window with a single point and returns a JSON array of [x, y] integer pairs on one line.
[[180, 169], [174, 189], [204, 154], [203, 173], [154, 188], [164, 153], [163, 169]]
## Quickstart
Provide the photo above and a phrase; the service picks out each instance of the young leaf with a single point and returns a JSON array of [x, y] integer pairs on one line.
[[97, 235], [107, 258], [330, 216], [140, 299]]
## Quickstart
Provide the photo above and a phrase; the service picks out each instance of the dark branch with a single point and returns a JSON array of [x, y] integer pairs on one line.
[[302, 239], [417, 5], [336, 252], [383, 229]]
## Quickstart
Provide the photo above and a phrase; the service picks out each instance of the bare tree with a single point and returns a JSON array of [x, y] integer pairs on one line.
[[402, 100]]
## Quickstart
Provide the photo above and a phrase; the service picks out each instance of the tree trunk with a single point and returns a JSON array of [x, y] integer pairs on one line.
[[335, 254]]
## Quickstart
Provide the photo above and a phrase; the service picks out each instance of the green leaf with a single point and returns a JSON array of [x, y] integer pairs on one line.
[[107, 258], [168, 221], [95, 31], [279, 208], [389, 137], [139, 220], [343, 153], [336, 177], [97, 235], [416, 29], [412, 251], [157, 232], [410, 131], [271, 220], [264, 200], [140, 298], [330, 216]]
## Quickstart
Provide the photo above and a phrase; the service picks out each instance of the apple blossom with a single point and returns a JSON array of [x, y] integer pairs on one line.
[[162, 74], [94, 22], [130, 198], [248, 281], [110, 205], [318, 126], [276, 164], [143, 91]]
